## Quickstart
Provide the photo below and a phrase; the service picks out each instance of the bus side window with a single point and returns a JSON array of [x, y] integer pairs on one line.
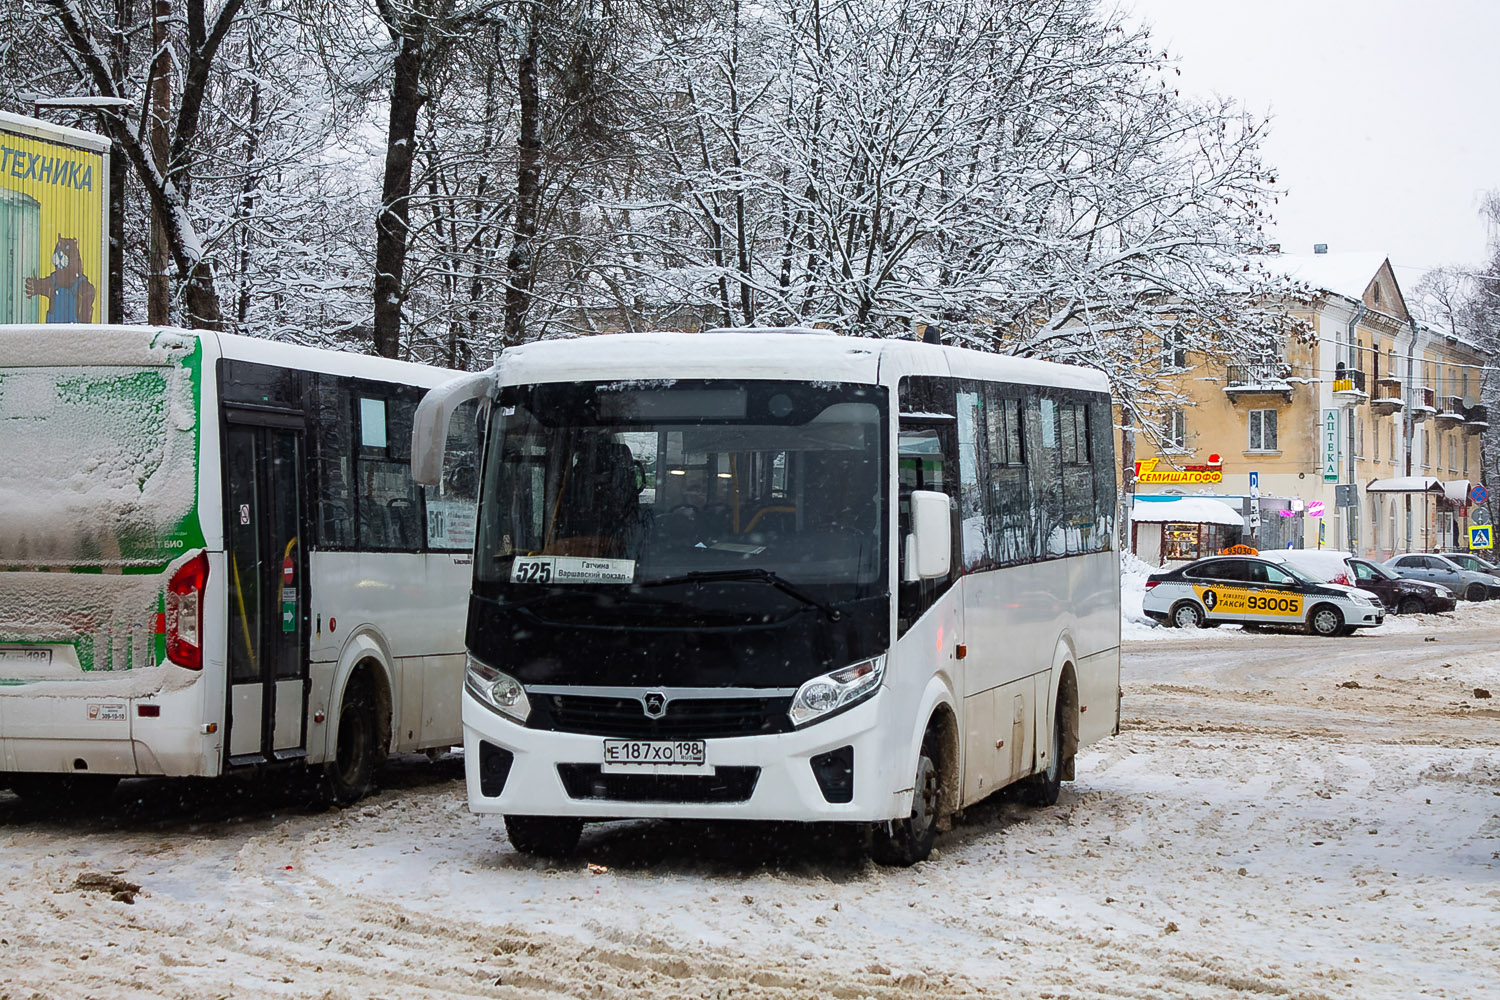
[[1042, 439], [1009, 503], [390, 510], [453, 504], [926, 453], [332, 480]]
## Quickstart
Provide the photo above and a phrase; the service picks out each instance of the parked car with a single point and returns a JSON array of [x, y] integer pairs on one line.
[[1470, 561], [1434, 568], [1399, 595], [1253, 591]]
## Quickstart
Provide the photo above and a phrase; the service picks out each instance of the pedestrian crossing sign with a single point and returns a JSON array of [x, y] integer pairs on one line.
[[1481, 536]]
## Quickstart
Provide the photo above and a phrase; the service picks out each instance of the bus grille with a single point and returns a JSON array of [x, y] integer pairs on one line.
[[727, 784], [685, 718]]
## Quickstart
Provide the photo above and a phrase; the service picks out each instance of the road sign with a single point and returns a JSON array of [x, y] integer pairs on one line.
[[1254, 485], [1478, 493], [1479, 515], [1345, 496], [1315, 508], [1481, 536]]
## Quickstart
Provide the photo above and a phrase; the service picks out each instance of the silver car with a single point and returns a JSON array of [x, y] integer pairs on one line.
[[1468, 560], [1434, 568]]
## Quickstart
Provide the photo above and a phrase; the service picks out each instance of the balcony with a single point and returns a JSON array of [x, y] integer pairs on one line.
[[1387, 398], [1349, 386], [1257, 380], [1423, 403], [1450, 412], [1476, 419]]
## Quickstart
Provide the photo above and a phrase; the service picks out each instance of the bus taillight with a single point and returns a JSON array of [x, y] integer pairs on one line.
[[185, 613]]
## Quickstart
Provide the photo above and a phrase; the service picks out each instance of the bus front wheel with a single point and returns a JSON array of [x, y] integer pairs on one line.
[[545, 836], [901, 843], [351, 773]]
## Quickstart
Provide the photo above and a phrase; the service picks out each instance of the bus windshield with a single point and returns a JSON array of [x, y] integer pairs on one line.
[[651, 483]]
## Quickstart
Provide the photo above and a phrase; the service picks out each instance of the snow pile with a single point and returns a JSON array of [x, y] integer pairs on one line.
[[1133, 572]]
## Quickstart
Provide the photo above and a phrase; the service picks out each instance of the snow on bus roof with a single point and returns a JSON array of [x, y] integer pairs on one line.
[[768, 354], [46, 345]]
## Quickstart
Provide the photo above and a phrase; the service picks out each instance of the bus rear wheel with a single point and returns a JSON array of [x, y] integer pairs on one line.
[[544, 836], [1042, 789], [350, 775], [901, 843]]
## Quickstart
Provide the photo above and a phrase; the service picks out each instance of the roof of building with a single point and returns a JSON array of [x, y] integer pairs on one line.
[[1406, 484], [1347, 274]]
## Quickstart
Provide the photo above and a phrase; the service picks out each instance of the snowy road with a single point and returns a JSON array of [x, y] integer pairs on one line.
[[1283, 817]]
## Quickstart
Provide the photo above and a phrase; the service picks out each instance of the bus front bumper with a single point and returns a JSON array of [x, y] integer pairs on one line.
[[800, 775]]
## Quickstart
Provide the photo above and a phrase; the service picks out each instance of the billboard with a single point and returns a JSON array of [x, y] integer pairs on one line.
[[54, 202]]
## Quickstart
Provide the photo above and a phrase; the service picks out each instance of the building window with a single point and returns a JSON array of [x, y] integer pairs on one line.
[[1174, 429], [1452, 455], [1262, 430], [1375, 442], [1392, 458], [1426, 452], [1466, 459], [1359, 436], [1174, 349]]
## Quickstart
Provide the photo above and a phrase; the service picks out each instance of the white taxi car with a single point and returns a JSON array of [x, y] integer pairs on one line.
[[1250, 590]]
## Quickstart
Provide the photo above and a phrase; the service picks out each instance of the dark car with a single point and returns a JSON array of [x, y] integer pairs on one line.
[[1401, 595]]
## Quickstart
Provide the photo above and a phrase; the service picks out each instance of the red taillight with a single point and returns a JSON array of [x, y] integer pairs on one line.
[[1151, 583], [185, 613]]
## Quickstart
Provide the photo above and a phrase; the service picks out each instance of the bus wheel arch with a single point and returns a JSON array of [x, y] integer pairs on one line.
[[906, 841], [359, 738]]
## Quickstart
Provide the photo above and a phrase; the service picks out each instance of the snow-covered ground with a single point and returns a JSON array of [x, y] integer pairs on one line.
[[1282, 816]]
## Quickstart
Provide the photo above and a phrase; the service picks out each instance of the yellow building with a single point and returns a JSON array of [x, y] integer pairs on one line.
[[1374, 399]]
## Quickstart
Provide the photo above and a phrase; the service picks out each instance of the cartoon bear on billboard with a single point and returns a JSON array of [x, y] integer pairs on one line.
[[68, 290]]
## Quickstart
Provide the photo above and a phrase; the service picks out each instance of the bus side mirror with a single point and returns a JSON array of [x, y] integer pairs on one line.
[[929, 547], [429, 428]]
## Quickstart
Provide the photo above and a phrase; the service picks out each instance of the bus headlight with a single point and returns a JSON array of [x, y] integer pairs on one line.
[[499, 691], [836, 690]]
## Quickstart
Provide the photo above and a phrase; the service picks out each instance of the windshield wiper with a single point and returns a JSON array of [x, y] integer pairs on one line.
[[763, 575]]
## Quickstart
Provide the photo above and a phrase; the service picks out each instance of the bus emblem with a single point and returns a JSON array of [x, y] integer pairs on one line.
[[656, 704]]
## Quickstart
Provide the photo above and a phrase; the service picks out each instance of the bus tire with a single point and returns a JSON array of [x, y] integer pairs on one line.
[[544, 836], [1042, 789], [1188, 615], [350, 775], [1325, 620], [901, 843]]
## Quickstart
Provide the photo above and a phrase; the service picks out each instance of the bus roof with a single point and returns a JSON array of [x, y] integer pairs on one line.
[[771, 354], [104, 346]]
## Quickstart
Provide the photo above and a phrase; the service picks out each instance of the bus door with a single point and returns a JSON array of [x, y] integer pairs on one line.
[[268, 594]]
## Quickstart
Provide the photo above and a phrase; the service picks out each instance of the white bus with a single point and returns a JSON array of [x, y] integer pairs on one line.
[[213, 559], [782, 576]]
